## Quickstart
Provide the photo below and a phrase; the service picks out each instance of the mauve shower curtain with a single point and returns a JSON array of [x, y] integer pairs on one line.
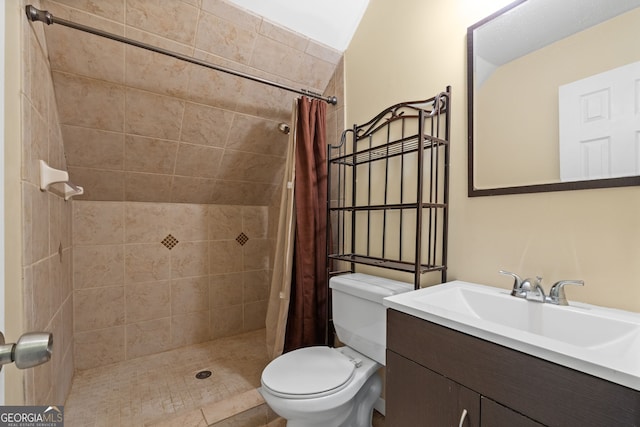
[[306, 324]]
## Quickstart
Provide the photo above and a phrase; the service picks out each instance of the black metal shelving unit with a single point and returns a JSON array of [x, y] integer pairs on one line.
[[389, 191]]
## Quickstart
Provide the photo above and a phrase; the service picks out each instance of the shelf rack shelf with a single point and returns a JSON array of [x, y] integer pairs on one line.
[[388, 191]]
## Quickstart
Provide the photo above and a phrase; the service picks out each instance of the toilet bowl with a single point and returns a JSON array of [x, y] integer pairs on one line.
[[336, 387]]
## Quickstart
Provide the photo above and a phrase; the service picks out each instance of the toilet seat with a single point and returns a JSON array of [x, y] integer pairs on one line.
[[309, 372]]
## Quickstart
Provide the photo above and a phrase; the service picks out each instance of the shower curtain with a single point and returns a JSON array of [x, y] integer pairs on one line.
[[297, 314]]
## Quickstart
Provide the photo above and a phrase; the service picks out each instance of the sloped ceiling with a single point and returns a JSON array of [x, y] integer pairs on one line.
[[139, 126]]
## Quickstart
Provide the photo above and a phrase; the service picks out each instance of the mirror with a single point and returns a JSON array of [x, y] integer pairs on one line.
[[524, 65]]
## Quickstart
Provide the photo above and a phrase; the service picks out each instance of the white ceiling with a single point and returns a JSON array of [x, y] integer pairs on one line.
[[330, 22]]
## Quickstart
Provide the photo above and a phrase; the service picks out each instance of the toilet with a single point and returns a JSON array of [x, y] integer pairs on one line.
[[335, 387]]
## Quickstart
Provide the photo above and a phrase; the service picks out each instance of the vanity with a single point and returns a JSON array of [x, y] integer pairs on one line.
[[462, 354]]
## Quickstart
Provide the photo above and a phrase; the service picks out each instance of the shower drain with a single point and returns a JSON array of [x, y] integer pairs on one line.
[[203, 374]]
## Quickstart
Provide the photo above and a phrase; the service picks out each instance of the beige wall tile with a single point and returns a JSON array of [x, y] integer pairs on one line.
[[186, 189], [205, 125], [27, 222], [226, 321], [151, 155], [190, 295], [98, 184], [226, 256], [42, 307], [225, 222], [255, 314], [42, 382], [112, 9], [148, 337], [211, 87], [65, 342], [283, 35], [147, 187], [201, 306], [189, 328], [242, 166], [225, 38], [323, 52], [255, 254], [198, 160], [190, 259], [87, 54], [256, 285], [146, 222], [40, 225], [93, 148], [56, 283], [173, 20], [97, 223], [146, 262], [27, 291], [240, 193], [266, 101], [99, 348], [276, 58], [188, 222], [147, 301], [152, 115], [230, 12], [97, 266], [39, 76], [257, 135], [98, 308], [225, 290], [156, 72], [89, 103], [255, 221]]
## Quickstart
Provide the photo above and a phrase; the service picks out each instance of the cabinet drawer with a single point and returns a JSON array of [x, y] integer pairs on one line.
[[549, 393]]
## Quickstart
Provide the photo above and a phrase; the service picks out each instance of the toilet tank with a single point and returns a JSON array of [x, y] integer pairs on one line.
[[359, 317]]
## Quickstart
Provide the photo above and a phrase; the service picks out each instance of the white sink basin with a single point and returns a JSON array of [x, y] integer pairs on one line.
[[597, 340]]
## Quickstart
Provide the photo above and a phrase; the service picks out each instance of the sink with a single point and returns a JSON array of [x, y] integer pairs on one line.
[[600, 341]]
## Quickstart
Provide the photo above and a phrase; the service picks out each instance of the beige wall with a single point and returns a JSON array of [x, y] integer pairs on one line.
[[134, 296], [413, 51], [13, 310], [42, 297]]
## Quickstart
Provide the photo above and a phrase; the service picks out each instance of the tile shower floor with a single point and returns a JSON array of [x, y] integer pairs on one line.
[[140, 391]]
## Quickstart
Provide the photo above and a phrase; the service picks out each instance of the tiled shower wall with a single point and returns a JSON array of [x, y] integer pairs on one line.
[[149, 277], [46, 228]]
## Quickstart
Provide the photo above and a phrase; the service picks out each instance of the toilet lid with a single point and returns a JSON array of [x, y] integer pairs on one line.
[[311, 370]]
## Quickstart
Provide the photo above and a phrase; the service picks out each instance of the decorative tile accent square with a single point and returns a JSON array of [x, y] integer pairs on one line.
[[242, 239], [170, 241]]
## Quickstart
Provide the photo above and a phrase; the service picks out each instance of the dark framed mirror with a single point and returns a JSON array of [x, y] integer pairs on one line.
[[542, 114]]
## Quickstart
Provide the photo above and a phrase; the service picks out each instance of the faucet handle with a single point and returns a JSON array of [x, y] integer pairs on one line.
[[517, 282], [557, 295]]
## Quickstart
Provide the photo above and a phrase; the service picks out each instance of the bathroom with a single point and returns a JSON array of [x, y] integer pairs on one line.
[[587, 234]]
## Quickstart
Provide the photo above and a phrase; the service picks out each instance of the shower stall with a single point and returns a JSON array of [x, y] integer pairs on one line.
[[160, 271]]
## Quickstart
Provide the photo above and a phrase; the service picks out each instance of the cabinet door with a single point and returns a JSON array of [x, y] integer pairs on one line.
[[495, 415], [418, 397]]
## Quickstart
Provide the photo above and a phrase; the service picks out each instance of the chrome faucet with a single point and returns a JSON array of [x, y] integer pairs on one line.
[[557, 295], [531, 289], [517, 290]]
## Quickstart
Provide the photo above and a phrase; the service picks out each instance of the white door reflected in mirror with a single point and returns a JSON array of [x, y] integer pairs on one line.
[[600, 125]]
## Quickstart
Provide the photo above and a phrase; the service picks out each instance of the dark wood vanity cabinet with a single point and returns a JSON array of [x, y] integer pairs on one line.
[[435, 373]]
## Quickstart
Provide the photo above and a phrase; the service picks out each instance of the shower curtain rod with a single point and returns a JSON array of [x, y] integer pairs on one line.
[[35, 14]]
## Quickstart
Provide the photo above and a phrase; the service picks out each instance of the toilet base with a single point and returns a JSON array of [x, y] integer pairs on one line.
[[356, 413]]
